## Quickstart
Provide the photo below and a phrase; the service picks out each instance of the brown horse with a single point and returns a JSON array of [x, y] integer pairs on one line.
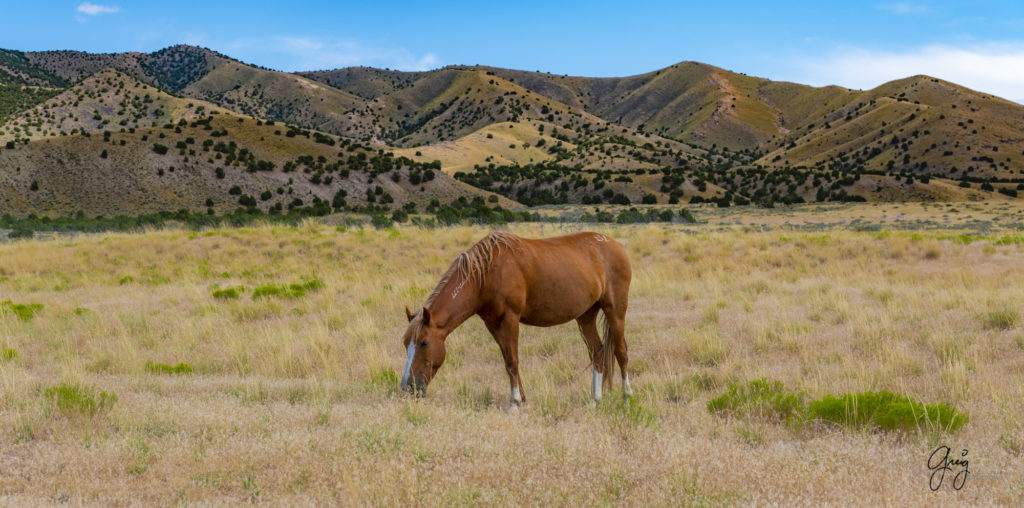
[[508, 280]]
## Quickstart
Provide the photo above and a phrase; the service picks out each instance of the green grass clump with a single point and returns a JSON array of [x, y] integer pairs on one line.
[[8, 354], [474, 397], [885, 410], [142, 456], [630, 411], [296, 290], [267, 290], [24, 311], [1000, 319], [228, 293], [163, 368], [383, 379], [760, 398], [72, 399]]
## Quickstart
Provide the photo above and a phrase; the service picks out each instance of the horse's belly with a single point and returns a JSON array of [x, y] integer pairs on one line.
[[549, 317], [561, 285], [557, 307]]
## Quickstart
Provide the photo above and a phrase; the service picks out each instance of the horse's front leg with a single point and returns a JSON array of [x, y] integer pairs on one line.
[[506, 333]]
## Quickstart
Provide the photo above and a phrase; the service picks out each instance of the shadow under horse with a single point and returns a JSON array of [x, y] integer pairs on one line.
[[508, 280]]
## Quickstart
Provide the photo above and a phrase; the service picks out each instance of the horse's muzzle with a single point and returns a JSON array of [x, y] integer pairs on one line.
[[415, 385]]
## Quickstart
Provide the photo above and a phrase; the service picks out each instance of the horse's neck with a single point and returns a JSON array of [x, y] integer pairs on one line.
[[456, 302]]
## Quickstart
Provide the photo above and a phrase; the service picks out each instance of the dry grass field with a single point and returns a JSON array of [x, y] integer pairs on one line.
[[289, 394]]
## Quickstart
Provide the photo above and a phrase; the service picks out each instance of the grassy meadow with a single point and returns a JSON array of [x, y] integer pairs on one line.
[[261, 364]]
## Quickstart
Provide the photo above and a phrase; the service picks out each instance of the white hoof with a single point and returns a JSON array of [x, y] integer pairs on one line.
[[515, 399]]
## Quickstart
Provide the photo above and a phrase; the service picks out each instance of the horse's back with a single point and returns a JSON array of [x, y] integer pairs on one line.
[[566, 275], [606, 254]]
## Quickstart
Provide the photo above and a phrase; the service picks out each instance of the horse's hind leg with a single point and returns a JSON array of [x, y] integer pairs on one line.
[[618, 330], [588, 328], [616, 317]]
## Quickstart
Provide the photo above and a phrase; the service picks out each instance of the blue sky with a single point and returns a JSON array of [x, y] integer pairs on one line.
[[856, 44]]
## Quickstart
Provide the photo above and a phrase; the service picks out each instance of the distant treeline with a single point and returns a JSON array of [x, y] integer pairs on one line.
[[458, 211]]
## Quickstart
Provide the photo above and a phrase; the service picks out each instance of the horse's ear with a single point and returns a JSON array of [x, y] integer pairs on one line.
[[409, 314], [426, 317]]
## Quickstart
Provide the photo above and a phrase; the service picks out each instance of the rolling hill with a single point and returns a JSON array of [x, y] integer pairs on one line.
[[111, 144], [688, 132]]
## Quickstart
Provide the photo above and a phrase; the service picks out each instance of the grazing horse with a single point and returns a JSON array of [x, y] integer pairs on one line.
[[508, 280]]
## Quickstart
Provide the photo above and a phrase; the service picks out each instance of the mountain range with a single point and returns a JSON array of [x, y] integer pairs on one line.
[[187, 127]]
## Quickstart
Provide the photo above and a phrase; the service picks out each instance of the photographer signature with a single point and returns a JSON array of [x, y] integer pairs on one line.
[[939, 462]]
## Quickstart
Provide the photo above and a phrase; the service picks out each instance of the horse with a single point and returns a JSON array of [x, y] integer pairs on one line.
[[508, 280]]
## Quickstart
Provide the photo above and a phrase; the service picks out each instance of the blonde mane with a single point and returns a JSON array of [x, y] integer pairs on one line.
[[472, 264]]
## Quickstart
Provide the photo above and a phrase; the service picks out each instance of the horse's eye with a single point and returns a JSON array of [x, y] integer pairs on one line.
[[423, 344]]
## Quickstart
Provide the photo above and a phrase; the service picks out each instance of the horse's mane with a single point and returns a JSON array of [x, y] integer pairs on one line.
[[472, 264]]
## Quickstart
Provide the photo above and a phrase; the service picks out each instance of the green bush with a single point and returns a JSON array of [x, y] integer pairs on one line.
[[759, 398], [687, 216], [21, 232], [24, 311], [884, 410], [228, 293], [163, 368], [77, 399], [8, 354], [381, 221]]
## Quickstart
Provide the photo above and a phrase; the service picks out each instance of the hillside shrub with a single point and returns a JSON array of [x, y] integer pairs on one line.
[[21, 232], [687, 216], [381, 221]]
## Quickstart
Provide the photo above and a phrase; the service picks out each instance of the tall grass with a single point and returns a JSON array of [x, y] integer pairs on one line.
[[294, 400]]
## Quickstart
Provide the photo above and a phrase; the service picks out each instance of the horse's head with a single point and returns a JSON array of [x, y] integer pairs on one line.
[[424, 347]]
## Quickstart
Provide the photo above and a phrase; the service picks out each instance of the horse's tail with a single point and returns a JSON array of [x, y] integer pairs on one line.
[[607, 355]]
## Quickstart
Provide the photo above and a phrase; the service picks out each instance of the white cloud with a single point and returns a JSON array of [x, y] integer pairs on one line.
[[309, 53], [995, 68], [904, 8], [93, 9]]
